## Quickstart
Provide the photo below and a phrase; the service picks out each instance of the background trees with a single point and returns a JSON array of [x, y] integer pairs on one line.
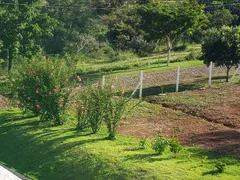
[[22, 26], [82, 29], [222, 46]]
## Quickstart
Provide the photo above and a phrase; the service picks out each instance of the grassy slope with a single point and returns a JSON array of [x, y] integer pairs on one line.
[[130, 62], [64, 153]]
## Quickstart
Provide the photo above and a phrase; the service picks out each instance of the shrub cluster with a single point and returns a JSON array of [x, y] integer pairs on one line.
[[43, 87], [160, 143], [98, 105]]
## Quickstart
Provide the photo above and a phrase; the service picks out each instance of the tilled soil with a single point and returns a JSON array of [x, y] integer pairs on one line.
[[215, 127]]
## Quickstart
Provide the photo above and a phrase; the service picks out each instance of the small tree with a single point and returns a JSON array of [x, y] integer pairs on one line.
[[222, 47]]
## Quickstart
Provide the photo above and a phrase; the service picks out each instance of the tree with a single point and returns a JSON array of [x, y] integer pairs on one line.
[[171, 19], [221, 18], [123, 25], [222, 47], [22, 24]]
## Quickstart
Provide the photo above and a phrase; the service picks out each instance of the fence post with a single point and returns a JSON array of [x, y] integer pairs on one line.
[[210, 75], [103, 82], [178, 77], [141, 85], [234, 74]]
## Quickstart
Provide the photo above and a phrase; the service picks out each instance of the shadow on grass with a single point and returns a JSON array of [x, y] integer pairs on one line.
[[229, 141], [212, 172], [147, 157], [42, 153], [170, 88]]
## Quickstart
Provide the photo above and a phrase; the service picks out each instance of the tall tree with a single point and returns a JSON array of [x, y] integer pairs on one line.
[[171, 19], [21, 25]]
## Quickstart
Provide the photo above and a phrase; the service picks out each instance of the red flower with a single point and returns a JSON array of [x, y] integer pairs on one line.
[[37, 91], [37, 106], [55, 90], [28, 98], [123, 91], [49, 93], [97, 84]]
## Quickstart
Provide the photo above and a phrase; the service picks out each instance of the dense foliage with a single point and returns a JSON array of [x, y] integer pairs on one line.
[[221, 46], [96, 104], [81, 29], [42, 87]]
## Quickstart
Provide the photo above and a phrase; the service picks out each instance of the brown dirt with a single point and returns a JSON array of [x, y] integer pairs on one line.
[[215, 127]]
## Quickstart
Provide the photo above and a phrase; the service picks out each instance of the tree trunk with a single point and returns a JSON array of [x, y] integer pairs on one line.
[[228, 69], [10, 59], [169, 50]]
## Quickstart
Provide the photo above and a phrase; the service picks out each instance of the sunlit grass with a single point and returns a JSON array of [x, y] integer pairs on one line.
[[62, 152]]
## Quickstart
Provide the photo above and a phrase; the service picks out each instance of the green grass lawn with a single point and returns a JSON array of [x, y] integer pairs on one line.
[[43, 152]]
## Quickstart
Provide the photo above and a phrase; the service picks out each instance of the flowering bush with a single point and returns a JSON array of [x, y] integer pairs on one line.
[[90, 112], [43, 87], [98, 105]]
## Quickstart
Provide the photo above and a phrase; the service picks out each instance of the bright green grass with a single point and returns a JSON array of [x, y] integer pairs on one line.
[[48, 153]]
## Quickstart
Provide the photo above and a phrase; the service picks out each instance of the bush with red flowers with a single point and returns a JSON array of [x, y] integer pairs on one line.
[[43, 87]]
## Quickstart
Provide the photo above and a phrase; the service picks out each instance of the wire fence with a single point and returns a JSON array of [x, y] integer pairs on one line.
[[178, 80]]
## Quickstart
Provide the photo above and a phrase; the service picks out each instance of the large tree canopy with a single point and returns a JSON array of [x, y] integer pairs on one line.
[[221, 17], [22, 24], [222, 47], [171, 19]]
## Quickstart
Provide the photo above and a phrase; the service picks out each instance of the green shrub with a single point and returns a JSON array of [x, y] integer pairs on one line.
[[140, 46], [159, 143], [43, 87], [175, 145], [98, 105], [90, 111], [220, 167], [142, 142]]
